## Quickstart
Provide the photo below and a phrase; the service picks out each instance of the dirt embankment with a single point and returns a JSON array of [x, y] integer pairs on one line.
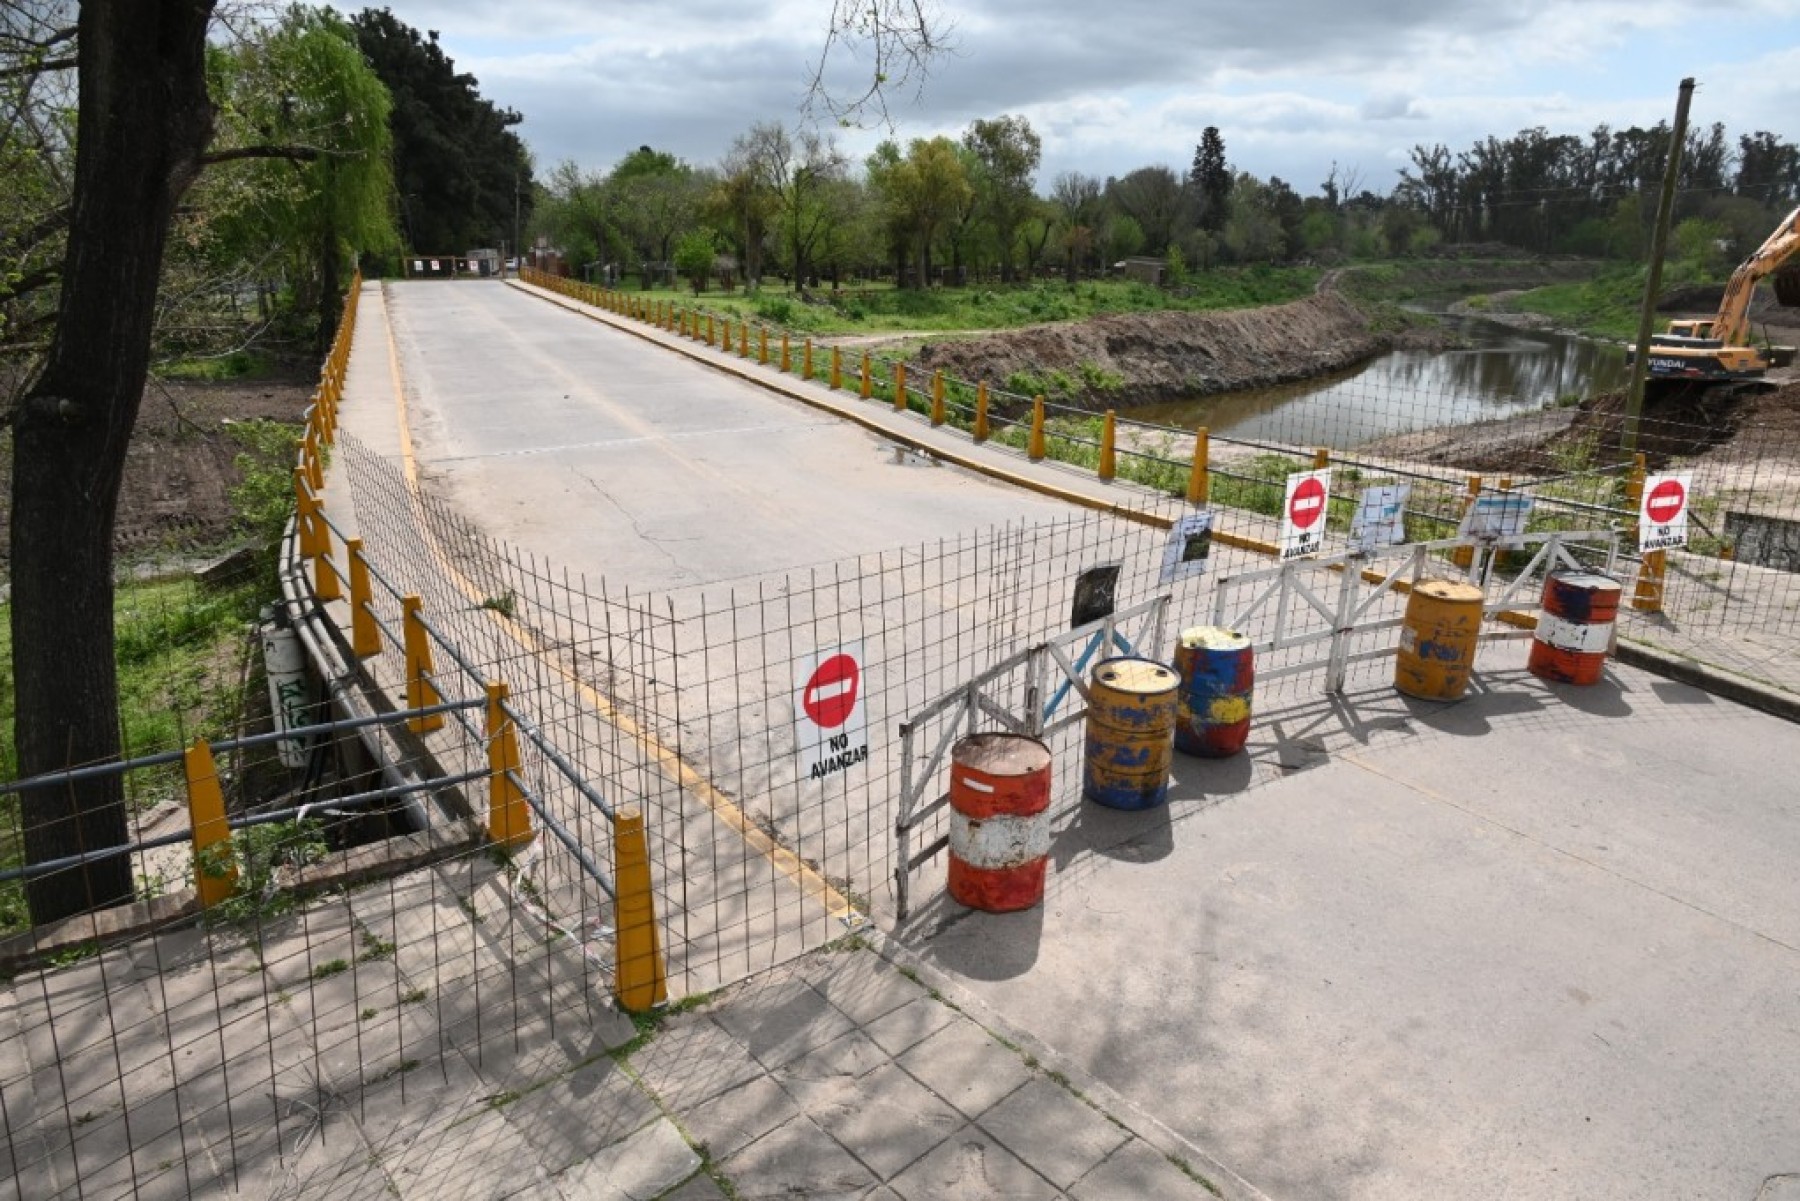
[[1137, 358], [182, 465]]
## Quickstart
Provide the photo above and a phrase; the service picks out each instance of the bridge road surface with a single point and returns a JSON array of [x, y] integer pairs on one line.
[[610, 457]]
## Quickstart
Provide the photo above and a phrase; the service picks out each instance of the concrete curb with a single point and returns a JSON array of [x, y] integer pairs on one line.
[[1220, 1179], [1704, 676]]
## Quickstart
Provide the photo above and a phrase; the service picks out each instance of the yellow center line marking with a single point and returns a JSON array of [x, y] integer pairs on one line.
[[667, 760]]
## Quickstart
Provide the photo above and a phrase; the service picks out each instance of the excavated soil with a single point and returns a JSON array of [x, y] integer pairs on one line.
[[176, 495], [1147, 357]]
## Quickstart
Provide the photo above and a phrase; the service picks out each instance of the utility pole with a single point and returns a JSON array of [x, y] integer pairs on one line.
[[1665, 211], [518, 250]]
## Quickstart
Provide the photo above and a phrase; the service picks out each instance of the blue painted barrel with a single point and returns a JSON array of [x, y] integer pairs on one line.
[[1132, 705], [1218, 672]]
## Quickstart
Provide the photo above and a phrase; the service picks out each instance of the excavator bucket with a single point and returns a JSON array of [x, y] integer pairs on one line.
[[1787, 286]]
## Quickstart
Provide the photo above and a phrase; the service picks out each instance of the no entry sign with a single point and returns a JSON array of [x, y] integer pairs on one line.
[[1663, 516], [1303, 513], [830, 719]]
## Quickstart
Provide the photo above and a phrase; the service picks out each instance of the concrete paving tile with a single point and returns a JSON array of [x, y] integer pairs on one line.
[[781, 1022], [581, 1115], [642, 1167], [965, 1066], [903, 1029], [1136, 1169], [691, 1059], [1054, 1131], [821, 1076], [861, 983], [698, 1187], [738, 1117], [473, 1155], [886, 1119], [797, 1160], [970, 1166]]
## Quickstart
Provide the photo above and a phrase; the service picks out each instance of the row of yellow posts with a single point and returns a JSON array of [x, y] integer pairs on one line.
[[716, 331], [640, 977], [667, 315]]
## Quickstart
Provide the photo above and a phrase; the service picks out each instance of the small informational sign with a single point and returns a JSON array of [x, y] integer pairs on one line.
[[1096, 594], [418, 266], [830, 719], [1303, 513], [1496, 515], [1189, 544], [1663, 516], [1380, 517]]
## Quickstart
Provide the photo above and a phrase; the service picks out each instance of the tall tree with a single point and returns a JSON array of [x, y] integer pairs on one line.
[[1077, 198], [1151, 196], [922, 191], [1210, 179], [142, 125], [1006, 154], [462, 174]]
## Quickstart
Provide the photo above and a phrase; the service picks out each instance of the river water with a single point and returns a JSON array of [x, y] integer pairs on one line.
[[1498, 371]]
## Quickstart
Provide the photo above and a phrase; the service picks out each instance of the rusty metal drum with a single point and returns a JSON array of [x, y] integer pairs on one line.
[[1438, 640], [1132, 706], [1218, 672], [1575, 629], [999, 821]]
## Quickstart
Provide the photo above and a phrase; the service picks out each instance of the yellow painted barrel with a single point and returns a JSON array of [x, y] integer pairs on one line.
[[1437, 640], [1132, 705]]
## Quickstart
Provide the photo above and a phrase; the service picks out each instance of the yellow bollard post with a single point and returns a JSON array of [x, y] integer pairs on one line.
[[305, 526], [1109, 462], [899, 387], [744, 339], [806, 371], [1464, 556], [709, 329], [1199, 487], [327, 585], [725, 333], [640, 981], [787, 363], [868, 376], [762, 345], [421, 693], [365, 635], [837, 368], [1321, 458], [1036, 450], [980, 431], [1647, 594], [315, 469], [509, 817], [937, 398], [215, 868]]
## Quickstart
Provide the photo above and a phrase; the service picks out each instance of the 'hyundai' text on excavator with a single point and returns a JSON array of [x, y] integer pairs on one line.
[[1717, 350]]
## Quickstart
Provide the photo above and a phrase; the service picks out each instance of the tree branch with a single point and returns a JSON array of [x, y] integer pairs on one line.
[[296, 154], [42, 67]]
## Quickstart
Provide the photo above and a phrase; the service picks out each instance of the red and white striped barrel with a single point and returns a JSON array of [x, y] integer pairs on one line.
[[999, 821], [1575, 629]]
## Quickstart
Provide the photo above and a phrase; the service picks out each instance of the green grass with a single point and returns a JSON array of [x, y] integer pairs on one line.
[[239, 364], [1606, 306], [882, 308]]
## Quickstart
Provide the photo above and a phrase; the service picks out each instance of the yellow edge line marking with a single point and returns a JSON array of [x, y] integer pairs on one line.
[[668, 761]]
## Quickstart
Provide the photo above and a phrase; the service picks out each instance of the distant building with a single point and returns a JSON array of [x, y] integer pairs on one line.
[[1142, 270]]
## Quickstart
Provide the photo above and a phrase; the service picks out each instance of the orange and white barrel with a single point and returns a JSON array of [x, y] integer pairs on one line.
[[1575, 629], [999, 821]]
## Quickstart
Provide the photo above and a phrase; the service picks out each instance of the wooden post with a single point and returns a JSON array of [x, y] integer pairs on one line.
[[1109, 463], [980, 432], [1036, 450]]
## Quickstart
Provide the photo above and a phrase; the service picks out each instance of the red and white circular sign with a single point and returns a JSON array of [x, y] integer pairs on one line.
[[1664, 502], [829, 697], [1308, 503]]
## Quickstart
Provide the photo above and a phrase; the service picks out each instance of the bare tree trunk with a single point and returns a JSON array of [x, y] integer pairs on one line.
[[143, 121]]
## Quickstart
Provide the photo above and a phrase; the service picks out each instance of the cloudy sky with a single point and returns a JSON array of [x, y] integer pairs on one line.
[[1111, 85]]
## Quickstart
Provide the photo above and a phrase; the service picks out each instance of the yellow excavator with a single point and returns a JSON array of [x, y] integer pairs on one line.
[[1716, 350]]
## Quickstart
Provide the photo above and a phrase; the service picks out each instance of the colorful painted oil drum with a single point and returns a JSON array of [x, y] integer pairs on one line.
[[1575, 629], [1437, 640], [999, 821], [1217, 670], [1132, 704]]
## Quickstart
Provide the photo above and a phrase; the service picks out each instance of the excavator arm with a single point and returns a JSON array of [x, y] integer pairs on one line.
[[1732, 325]]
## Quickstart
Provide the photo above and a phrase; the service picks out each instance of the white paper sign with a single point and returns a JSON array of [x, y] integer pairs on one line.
[[830, 717], [1189, 544], [1380, 517], [1496, 515]]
